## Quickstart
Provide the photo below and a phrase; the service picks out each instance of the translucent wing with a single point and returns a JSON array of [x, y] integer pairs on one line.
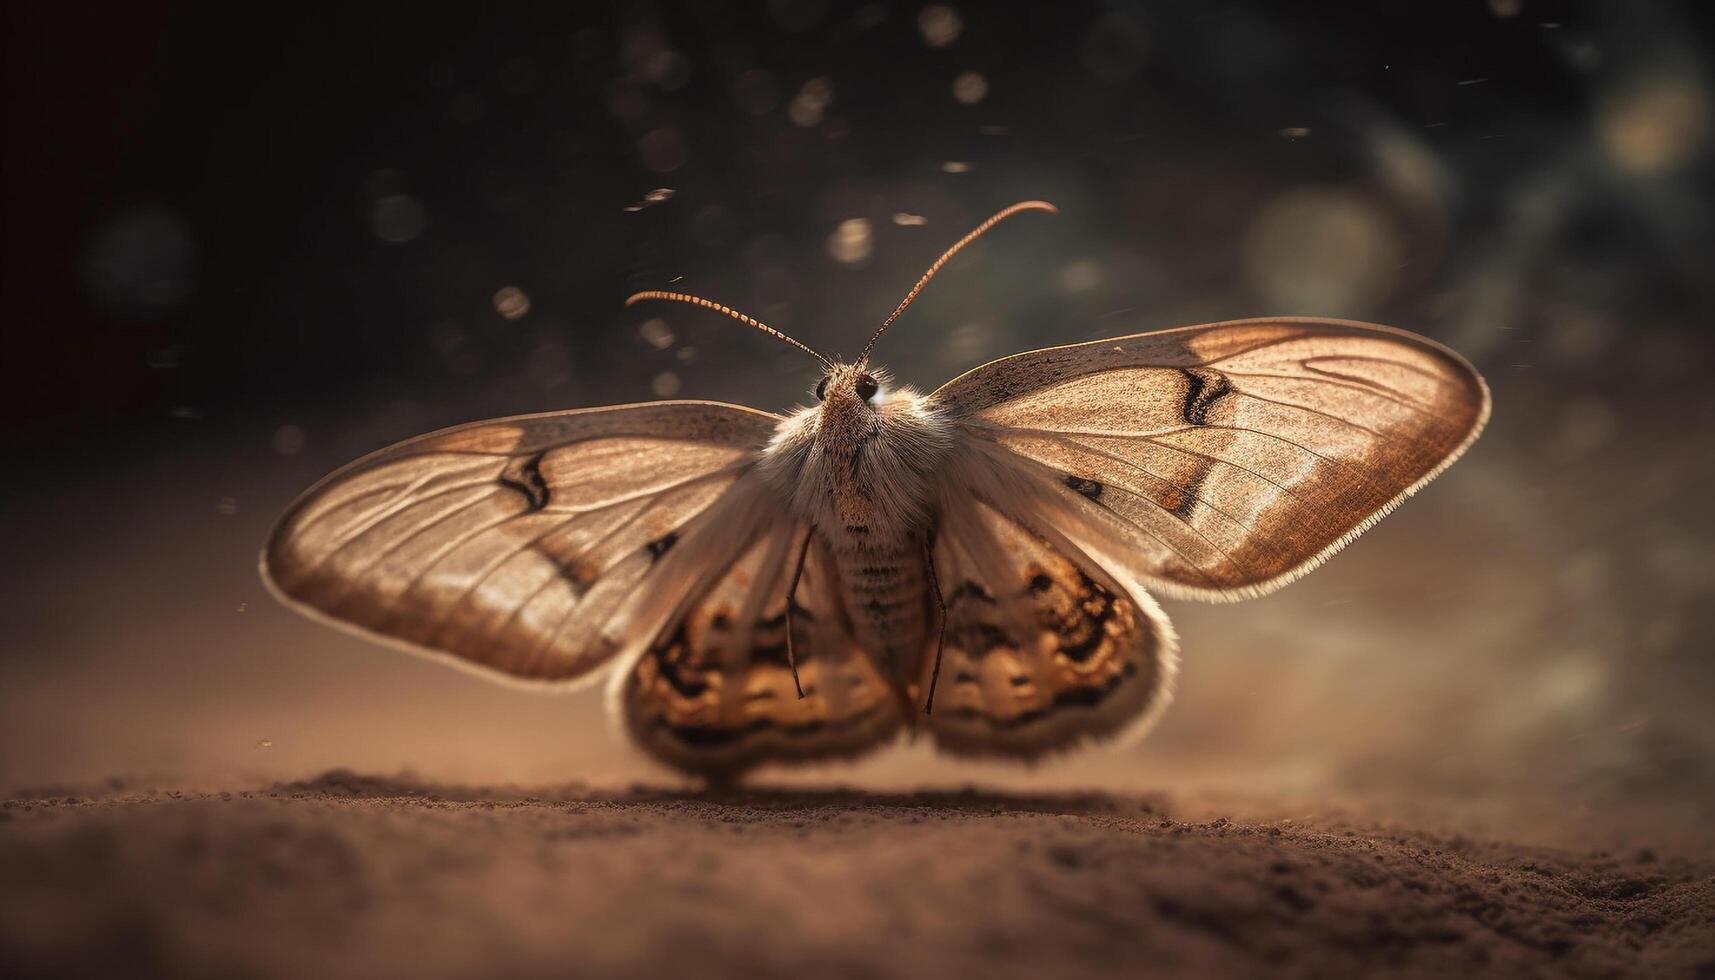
[[714, 693], [536, 546], [1044, 649], [1216, 461]]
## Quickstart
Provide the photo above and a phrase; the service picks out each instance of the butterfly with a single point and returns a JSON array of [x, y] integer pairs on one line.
[[976, 565]]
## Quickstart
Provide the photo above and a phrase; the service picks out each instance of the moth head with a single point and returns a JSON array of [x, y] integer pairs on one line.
[[851, 384]]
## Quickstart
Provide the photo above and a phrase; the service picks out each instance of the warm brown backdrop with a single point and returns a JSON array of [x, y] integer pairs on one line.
[[239, 256]]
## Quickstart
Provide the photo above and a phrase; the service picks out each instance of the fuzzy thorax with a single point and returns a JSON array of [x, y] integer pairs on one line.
[[852, 461]]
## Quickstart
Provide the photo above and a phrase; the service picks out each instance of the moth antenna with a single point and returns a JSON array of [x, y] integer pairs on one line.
[[729, 311], [975, 234]]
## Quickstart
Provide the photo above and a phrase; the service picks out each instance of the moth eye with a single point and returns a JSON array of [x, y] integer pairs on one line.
[[822, 388], [866, 387]]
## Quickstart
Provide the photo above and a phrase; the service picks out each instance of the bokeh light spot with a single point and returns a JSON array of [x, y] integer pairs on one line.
[[1654, 126], [1079, 277], [289, 440], [940, 25], [851, 242], [811, 102], [511, 303], [398, 218], [663, 150], [970, 88], [656, 333], [1322, 251]]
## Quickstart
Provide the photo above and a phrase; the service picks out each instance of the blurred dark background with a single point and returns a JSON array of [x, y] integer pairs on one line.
[[243, 247]]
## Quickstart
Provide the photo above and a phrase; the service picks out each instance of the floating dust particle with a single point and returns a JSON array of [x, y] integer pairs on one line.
[[811, 102], [665, 385], [226, 506], [956, 167], [654, 197], [289, 440], [970, 88], [852, 242], [1655, 125], [397, 218], [244, 607], [1079, 277], [511, 303], [1295, 132], [656, 333], [264, 743], [940, 25], [909, 220]]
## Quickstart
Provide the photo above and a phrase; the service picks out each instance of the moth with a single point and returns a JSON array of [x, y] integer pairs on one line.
[[975, 565]]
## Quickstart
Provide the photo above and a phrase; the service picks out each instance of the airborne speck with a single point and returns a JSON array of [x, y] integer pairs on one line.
[[851, 242], [811, 102], [289, 440], [511, 303], [397, 218], [656, 333], [970, 88], [940, 25], [654, 197]]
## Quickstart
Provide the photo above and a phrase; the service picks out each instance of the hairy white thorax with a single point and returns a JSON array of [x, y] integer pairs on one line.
[[854, 462]]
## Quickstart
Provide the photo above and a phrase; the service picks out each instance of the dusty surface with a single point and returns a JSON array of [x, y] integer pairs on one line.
[[351, 876]]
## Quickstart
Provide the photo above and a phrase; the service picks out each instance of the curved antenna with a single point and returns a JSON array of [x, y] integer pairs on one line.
[[975, 234], [729, 311]]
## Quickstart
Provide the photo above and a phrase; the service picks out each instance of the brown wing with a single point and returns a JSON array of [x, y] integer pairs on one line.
[[714, 694], [1044, 649], [1218, 461], [525, 545]]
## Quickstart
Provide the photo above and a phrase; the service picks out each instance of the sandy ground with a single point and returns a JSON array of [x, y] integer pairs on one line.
[[355, 876]]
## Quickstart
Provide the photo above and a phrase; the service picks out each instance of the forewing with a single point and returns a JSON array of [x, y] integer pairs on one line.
[[1045, 650], [714, 693], [1222, 460], [527, 545]]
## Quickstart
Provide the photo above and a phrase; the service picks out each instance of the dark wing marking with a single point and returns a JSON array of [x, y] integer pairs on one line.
[[520, 545], [1218, 461], [1061, 653]]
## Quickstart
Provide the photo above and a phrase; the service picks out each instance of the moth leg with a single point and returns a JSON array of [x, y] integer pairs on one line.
[[941, 633], [791, 602]]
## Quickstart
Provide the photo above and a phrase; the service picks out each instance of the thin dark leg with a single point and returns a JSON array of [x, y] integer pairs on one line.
[[791, 601], [941, 638]]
